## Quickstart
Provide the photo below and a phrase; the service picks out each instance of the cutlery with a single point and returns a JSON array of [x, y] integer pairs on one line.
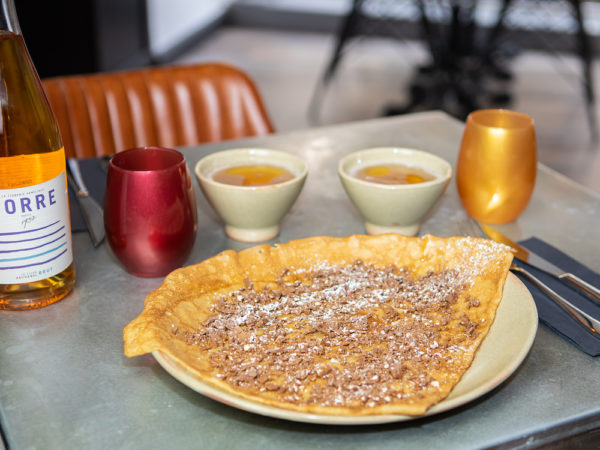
[[473, 228], [538, 262], [586, 320], [91, 210]]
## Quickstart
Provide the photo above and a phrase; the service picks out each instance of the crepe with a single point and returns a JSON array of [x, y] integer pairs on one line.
[[359, 325]]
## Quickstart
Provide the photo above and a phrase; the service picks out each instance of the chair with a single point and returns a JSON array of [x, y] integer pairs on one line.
[[170, 106], [468, 59], [454, 80], [550, 12]]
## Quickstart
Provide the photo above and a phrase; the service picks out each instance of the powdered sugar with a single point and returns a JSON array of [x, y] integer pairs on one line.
[[338, 336]]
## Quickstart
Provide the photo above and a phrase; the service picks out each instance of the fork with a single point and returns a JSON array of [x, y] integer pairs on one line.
[[472, 228]]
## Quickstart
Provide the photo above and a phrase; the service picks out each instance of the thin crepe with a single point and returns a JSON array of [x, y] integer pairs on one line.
[[185, 303]]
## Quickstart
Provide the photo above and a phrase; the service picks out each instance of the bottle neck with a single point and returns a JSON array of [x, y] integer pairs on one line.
[[8, 17]]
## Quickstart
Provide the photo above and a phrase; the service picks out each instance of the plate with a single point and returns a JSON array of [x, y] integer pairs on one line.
[[501, 352]]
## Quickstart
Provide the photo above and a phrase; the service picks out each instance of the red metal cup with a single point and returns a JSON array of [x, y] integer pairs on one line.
[[150, 210]]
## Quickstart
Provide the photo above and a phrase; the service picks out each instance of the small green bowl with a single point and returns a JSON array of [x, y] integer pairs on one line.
[[397, 208], [251, 213]]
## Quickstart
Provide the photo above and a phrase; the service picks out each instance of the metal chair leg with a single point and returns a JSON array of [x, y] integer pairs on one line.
[[586, 54], [347, 31]]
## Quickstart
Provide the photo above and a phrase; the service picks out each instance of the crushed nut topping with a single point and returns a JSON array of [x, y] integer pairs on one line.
[[349, 336]]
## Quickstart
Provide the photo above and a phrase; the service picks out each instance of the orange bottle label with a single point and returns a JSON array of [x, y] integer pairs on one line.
[[28, 170]]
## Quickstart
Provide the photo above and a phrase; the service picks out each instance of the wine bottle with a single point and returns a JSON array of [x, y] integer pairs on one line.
[[36, 256]]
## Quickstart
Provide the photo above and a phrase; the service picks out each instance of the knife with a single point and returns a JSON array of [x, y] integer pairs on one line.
[[92, 212], [538, 262]]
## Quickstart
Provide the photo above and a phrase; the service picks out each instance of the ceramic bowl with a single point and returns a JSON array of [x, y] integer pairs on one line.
[[251, 213], [398, 208]]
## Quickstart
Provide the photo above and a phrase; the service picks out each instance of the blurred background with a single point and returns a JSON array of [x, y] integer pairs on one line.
[[322, 62]]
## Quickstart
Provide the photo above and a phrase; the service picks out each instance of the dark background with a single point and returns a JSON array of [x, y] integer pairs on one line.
[[83, 36]]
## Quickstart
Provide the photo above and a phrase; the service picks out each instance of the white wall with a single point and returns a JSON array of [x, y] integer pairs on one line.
[[317, 6], [170, 22]]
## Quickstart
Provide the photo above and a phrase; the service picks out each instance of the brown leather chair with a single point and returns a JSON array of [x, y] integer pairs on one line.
[[102, 114]]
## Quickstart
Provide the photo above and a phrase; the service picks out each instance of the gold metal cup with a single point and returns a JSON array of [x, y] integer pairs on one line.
[[497, 165]]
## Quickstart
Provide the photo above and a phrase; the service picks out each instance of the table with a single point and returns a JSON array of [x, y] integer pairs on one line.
[[65, 383]]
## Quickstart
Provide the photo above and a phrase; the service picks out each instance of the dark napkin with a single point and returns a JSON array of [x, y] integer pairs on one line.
[[94, 177], [553, 316]]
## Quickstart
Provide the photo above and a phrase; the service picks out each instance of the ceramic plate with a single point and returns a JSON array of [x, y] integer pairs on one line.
[[502, 351]]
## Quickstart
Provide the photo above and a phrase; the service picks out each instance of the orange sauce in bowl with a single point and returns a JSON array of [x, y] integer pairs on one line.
[[394, 173], [252, 175]]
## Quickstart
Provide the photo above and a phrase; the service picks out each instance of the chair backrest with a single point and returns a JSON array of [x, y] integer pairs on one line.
[[102, 114]]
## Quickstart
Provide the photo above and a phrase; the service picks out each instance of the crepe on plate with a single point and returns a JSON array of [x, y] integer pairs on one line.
[[358, 325]]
